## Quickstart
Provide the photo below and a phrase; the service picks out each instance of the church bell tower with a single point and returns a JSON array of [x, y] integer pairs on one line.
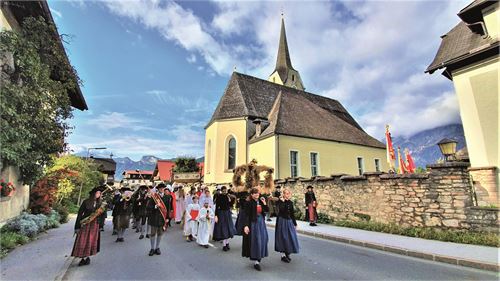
[[284, 73]]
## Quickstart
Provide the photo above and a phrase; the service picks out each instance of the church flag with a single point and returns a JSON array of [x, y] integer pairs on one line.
[[401, 163], [410, 164], [389, 148]]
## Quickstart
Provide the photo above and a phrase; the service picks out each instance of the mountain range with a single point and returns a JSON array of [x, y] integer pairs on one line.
[[423, 147]]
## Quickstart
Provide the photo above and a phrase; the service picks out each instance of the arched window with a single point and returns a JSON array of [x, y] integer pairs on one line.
[[231, 153], [208, 156]]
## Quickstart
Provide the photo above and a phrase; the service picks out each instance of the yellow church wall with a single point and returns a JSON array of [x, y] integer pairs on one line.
[[216, 154], [293, 78], [7, 20], [491, 17], [477, 91], [334, 157], [264, 151], [275, 78]]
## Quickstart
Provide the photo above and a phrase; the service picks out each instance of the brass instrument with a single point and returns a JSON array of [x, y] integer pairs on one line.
[[99, 211]]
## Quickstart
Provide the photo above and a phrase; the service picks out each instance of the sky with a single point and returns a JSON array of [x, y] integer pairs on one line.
[[154, 71]]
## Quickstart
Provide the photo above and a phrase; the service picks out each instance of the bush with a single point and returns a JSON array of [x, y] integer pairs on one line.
[[54, 219], [476, 238], [62, 211], [324, 218], [24, 227]]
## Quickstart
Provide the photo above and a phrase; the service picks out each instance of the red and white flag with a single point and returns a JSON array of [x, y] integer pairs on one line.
[[391, 156], [410, 164], [401, 163]]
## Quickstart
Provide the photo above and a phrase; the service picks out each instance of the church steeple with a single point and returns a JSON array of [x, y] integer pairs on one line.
[[284, 73]]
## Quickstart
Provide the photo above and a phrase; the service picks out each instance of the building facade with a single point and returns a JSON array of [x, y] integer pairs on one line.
[[279, 124], [134, 179], [469, 56]]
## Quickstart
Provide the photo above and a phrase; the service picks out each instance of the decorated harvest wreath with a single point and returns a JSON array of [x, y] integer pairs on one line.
[[252, 172]]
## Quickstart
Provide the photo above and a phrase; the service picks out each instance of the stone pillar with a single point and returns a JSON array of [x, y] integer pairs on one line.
[[486, 185]]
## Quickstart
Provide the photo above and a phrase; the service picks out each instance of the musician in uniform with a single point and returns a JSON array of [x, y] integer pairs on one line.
[[160, 210], [88, 236], [311, 203], [123, 212], [286, 241], [255, 237], [224, 227], [140, 210], [116, 199]]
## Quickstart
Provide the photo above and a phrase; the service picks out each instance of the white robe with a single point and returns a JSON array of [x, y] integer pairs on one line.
[[205, 225], [191, 224], [180, 207]]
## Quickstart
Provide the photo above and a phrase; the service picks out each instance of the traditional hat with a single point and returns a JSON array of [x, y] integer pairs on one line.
[[143, 187], [310, 186], [125, 188], [95, 189], [161, 185]]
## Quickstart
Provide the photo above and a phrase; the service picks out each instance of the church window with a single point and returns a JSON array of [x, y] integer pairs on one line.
[[231, 159], [377, 165], [360, 166], [274, 79], [294, 170], [314, 164], [293, 77]]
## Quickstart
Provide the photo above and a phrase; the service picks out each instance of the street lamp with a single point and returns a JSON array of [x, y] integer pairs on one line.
[[448, 148], [81, 184]]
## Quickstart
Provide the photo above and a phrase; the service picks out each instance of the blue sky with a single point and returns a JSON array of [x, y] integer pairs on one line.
[[154, 71]]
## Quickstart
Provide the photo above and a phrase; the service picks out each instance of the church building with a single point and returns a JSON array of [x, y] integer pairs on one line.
[[279, 124]]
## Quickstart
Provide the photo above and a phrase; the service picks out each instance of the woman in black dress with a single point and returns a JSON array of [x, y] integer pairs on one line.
[[286, 241], [224, 226], [255, 236]]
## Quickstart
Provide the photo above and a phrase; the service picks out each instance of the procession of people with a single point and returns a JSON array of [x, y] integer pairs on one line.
[[202, 217]]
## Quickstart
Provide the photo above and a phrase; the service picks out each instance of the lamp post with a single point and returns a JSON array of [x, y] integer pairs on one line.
[[448, 148], [86, 157]]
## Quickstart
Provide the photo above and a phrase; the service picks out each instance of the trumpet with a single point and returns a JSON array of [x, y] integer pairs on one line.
[[127, 195]]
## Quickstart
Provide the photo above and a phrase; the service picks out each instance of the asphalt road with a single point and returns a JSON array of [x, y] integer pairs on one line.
[[319, 260]]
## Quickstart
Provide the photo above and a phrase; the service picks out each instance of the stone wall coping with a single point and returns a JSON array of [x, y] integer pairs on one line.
[[352, 178], [485, 208], [404, 176], [493, 168], [307, 180], [372, 173], [325, 178], [338, 175], [448, 165]]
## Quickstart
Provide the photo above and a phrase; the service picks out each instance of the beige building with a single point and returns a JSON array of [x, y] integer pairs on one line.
[[469, 56], [280, 125]]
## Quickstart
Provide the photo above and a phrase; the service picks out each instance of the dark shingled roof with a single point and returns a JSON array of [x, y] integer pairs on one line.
[[105, 165], [283, 61], [461, 42], [289, 111]]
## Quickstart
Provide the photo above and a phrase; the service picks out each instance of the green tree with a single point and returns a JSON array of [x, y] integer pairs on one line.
[[186, 165], [87, 175], [34, 103]]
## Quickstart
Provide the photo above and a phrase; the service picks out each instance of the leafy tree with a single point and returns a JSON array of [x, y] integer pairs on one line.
[[34, 105], [87, 175], [186, 165]]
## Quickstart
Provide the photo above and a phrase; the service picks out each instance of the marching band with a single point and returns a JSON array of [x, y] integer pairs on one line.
[[201, 217]]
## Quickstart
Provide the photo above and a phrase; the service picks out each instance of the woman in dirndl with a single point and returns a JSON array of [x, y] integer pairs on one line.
[[88, 236], [285, 239], [255, 236], [224, 226], [242, 199]]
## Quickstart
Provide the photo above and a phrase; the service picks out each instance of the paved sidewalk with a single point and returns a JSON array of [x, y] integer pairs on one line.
[[454, 253], [29, 262]]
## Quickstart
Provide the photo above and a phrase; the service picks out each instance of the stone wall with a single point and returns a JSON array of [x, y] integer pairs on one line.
[[13, 206], [440, 198]]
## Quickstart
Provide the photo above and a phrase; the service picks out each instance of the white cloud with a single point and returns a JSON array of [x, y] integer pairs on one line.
[[118, 120], [370, 55], [56, 12]]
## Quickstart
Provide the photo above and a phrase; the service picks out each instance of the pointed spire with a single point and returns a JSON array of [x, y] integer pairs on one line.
[[283, 61]]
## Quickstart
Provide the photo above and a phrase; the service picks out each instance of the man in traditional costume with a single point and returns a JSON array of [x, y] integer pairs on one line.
[[255, 237], [311, 204], [160, 209], [191, 219], [224, 227], [140, 210], [116, 198], [123, 211], [286, 241], [88, 236], [205, 220]]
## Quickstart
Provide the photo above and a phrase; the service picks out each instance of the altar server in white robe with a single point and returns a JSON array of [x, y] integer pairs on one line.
[[191, 219], [205, 221]]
